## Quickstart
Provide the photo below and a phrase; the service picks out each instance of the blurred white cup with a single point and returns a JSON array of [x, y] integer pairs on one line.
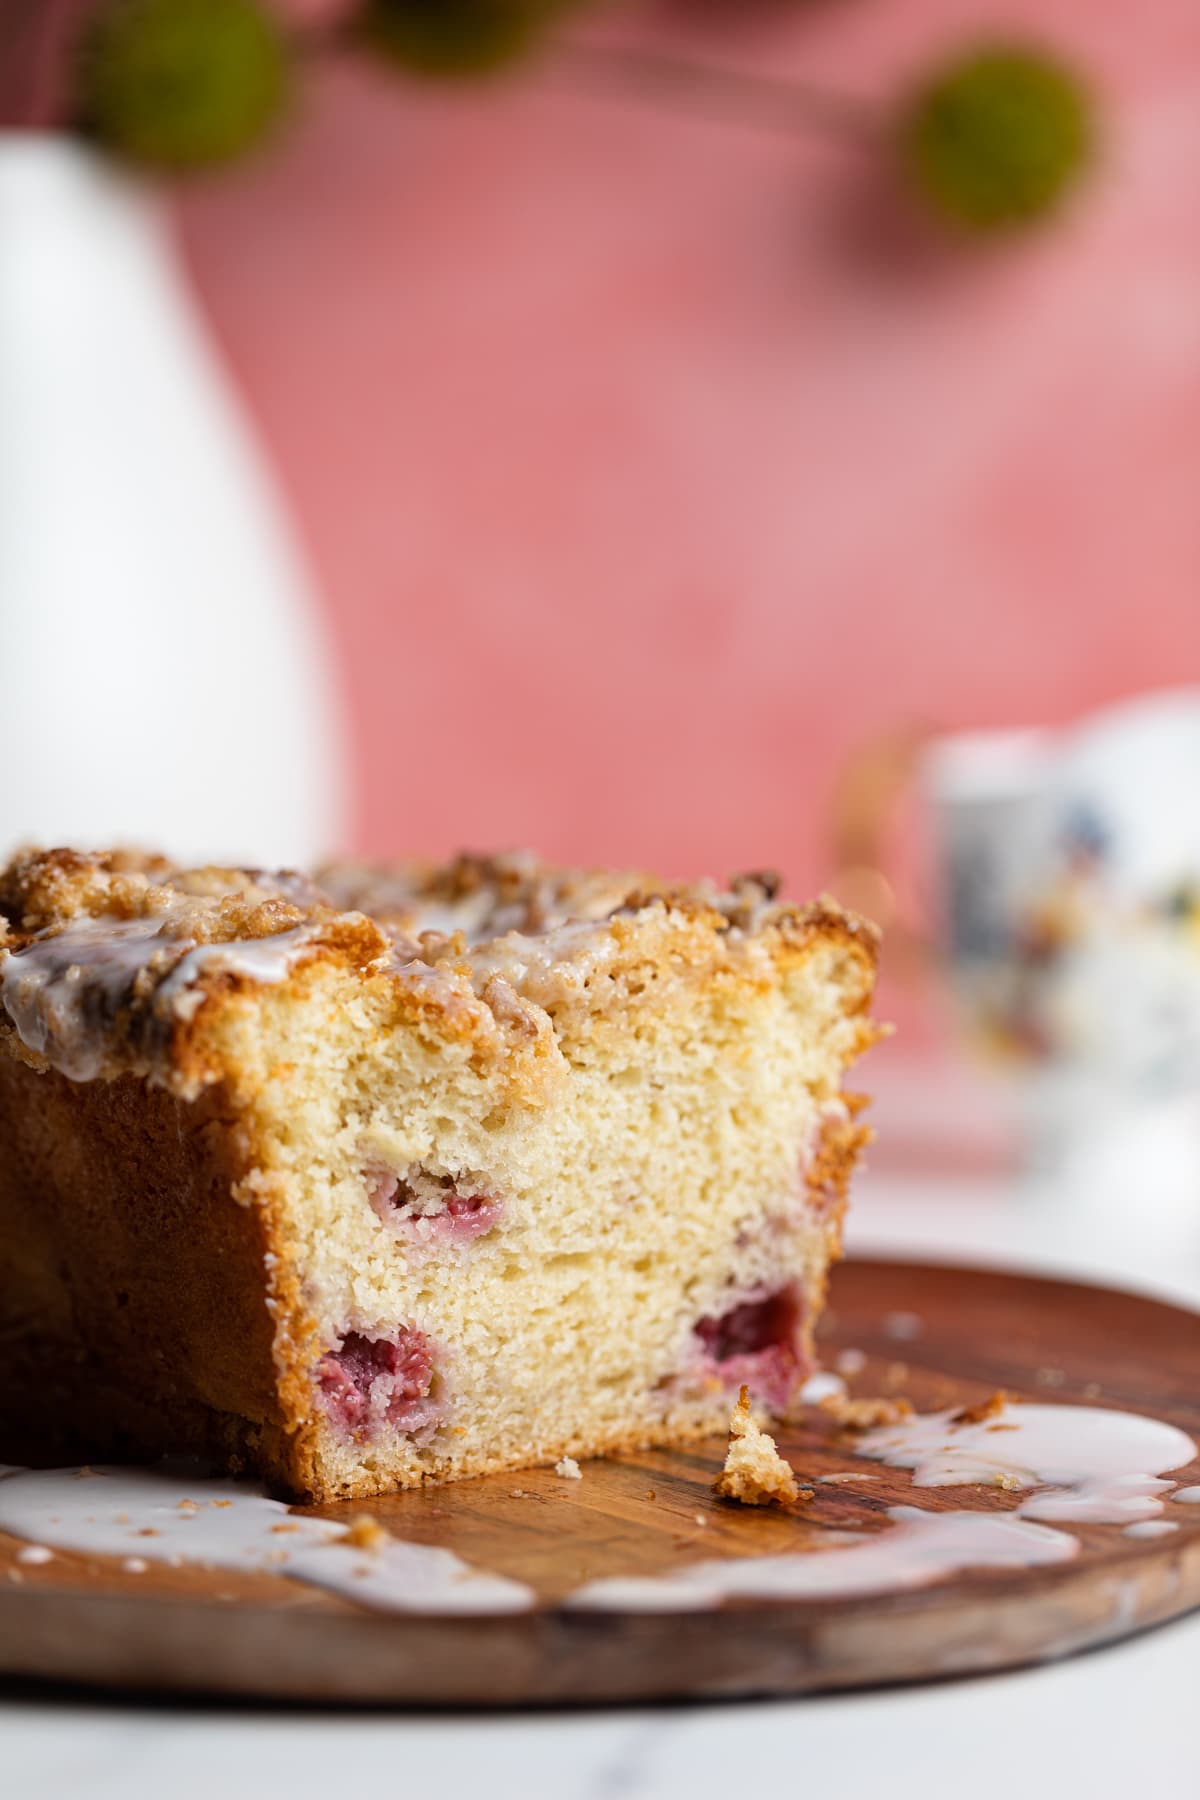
[[1066, 913]]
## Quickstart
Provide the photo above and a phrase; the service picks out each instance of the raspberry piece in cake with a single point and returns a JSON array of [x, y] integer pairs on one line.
[[432, 1209], [387, 1175], [368, 1384], [759, 1342]]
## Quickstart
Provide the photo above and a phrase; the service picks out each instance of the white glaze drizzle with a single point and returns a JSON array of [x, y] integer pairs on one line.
[[1187, 1496], [1084, 1452], [48, 988], [903, 1327], [551, 966], [1108, 1500], [824, 1385], [266, 960], [152, 1515], [1096, 1465], [66, 989], [441, 984], [916, 1549], [63, 990]]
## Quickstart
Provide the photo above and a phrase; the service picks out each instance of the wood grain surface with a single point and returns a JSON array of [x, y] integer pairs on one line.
[[191, 1630]]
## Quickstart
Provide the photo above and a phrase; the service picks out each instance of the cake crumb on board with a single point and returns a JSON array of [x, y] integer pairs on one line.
[[983, 1410], [754, 1473], [865, 1414], [365, 1533], [568, 1469]]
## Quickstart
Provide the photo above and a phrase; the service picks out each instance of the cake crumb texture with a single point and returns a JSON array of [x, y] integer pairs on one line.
[[754, 1473]]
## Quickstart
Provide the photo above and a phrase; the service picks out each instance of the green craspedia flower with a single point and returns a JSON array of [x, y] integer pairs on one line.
[[995, 138], [458, 37], [183, 83]]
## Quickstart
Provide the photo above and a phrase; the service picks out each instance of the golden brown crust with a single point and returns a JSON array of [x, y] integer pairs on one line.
[[139, 1306], [832, 1161], [39, 888], [44, 889]]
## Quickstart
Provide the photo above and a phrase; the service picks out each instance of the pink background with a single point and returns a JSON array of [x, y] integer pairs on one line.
[[650, 464]]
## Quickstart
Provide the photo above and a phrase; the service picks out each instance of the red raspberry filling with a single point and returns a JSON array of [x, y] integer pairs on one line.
[[368, 1383], [756, 1342], [453, 1217]]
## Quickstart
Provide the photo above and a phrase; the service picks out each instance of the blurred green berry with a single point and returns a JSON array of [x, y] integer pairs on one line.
[[183, 83], [995, 138], [458, 37]]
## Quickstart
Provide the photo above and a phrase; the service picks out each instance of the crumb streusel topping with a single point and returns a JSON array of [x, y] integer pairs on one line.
[[104, 955]]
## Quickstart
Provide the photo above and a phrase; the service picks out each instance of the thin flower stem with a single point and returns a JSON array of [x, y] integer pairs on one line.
[[38, 32], [759, 102]]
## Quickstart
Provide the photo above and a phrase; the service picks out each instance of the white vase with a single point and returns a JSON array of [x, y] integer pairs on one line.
[[164, 677]]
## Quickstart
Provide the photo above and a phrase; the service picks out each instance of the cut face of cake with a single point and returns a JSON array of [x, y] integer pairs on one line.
[[390, 1175]]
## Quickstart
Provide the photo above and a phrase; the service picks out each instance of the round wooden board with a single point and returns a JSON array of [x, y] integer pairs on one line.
[[198, 1631]]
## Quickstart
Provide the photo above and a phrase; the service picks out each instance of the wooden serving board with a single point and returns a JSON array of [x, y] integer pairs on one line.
[[191, 1630]]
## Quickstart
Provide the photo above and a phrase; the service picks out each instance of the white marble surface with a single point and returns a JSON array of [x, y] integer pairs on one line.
[[1111, 1723]]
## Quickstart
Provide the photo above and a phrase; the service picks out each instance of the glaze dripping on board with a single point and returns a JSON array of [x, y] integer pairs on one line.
[[217, 1524], [914, 1550], [1095, 1465], [1085, 1454]]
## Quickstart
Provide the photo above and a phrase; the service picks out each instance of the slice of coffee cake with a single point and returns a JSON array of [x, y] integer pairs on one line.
[[407, 1174]]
